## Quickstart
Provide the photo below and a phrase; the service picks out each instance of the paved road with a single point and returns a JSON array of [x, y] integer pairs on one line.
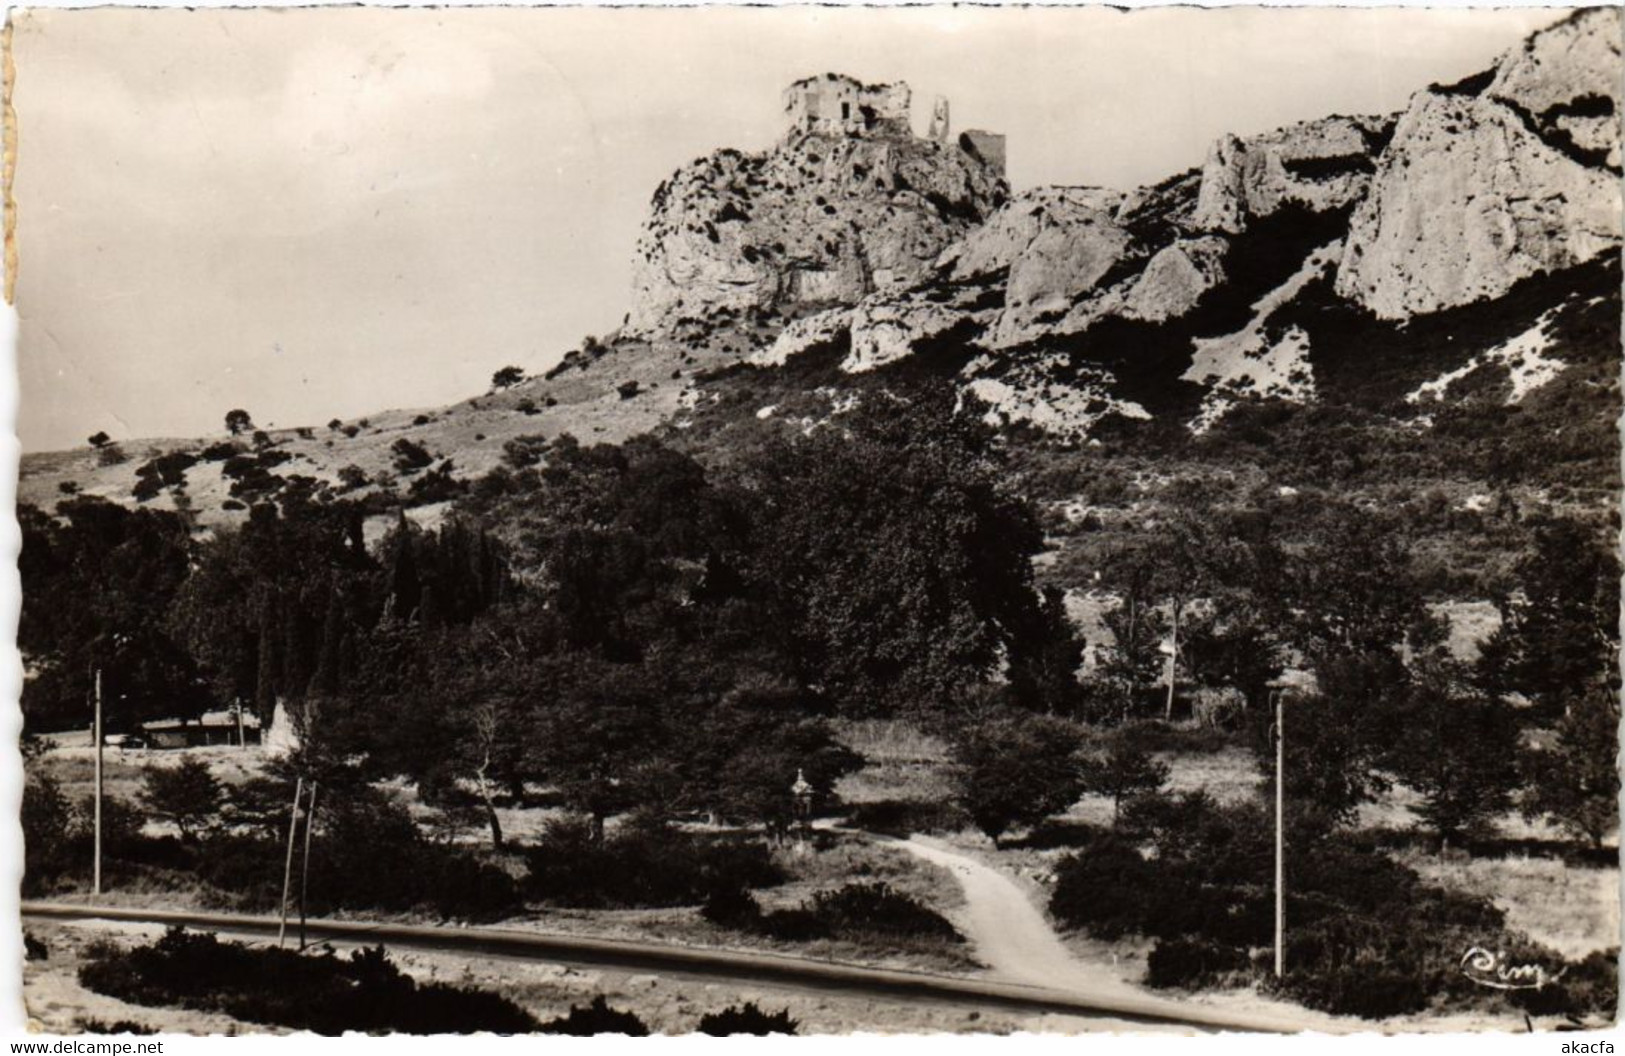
[[1107, 1011]]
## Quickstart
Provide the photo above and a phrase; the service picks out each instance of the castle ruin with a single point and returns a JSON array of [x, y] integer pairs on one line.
[[834, 104]]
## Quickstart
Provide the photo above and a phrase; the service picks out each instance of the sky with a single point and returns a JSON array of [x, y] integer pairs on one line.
[[319, 213]]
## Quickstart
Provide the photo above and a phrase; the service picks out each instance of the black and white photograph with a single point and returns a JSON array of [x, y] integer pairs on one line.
[[799, 520]]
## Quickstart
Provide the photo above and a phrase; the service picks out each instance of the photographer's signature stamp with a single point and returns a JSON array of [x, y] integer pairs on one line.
[[1494, 969]]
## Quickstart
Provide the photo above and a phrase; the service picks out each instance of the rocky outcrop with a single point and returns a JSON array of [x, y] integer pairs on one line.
[[824, 218], [1051, 246], [1567, 79], [1496, 179], [1175, 279], [1318, 165]]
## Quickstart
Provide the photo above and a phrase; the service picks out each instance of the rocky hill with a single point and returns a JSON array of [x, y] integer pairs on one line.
[[1395, 262]]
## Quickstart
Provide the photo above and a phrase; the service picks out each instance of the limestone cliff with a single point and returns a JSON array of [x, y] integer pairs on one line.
[[848, 203], [1495, 179]]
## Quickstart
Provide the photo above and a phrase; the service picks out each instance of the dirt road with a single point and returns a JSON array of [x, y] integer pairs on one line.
[[1011, 936]]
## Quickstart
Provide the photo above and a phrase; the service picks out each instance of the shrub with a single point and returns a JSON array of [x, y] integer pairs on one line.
[[746, 1019], [409, 456], [1107, 889], [324, 994], [111, 455], [220, 451], [1192, 963], [47, 820], [731, 906], [643, 865], [876, 909], [34, 948], [596, 1018], [90, 1025]]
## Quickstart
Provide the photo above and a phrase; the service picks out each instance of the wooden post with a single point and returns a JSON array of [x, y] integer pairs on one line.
[[242, 741], [96, 732], [1280, 835], [304, 867], [287, 869]]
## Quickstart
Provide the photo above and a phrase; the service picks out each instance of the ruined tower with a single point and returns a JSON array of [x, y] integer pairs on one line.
[[939, 121]]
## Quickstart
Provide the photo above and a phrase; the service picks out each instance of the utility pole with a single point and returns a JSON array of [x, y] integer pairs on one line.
[[1280, 835], [96, 732], [304, 867], [287, 869]]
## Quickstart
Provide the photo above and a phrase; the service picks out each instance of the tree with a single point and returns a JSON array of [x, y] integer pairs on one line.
[[1575, 781], [1559, 641], [99, 440], [99, 582], [1351, 590], [507, 377], [189, 795], [1015, 769], [1457, 749], [1126, 770], [1337, 739], [238, 422], [899, 559]]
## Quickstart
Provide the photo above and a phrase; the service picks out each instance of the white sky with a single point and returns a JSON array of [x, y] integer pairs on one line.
[[317, 213]]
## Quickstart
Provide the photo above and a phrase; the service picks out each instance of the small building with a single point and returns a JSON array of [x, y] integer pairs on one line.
[[211, 728]]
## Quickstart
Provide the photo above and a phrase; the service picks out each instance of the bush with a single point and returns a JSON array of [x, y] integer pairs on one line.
[[596, 1018], [47, 821], [34, 948], [324, 994], [731, 906], [1191, 964], [643, 865], [90, 1025], [876, 909], [904, 817], [747, 1019], [1108, 889], [409, 456]]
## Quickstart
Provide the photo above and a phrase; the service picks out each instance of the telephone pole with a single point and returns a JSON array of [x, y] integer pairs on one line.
[[287, 868], [96, 733], [304, 867], [1280, 834]]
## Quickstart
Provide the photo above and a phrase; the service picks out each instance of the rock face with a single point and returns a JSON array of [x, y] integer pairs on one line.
[[1175, 278], [1319, 165], [1057, 305], [1495, 179], [848, 203], [1053, 244]]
